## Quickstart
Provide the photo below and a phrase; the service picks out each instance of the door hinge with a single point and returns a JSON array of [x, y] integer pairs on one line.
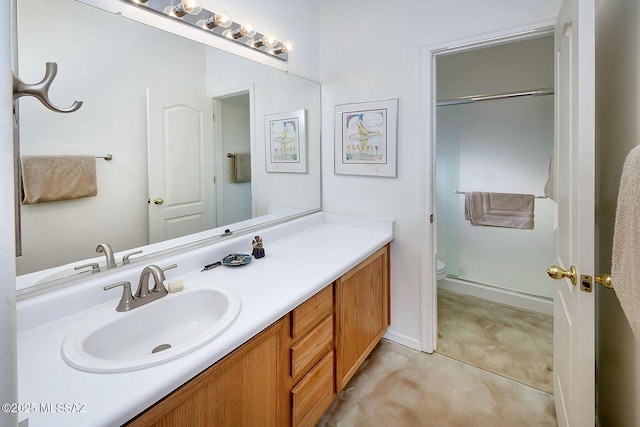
[[431, 218], [214, 180], [213, 117]]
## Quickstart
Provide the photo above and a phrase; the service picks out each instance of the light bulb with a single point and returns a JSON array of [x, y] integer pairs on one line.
[[220, 19], [191, 7], [245, 30], [268, 40], [287, 46]]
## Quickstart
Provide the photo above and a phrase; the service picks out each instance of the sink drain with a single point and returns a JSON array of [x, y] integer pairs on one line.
[[160, 348]]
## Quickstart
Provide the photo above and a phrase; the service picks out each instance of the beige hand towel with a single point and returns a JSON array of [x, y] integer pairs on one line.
[[49, 178], [625, 263], [241, 167], [499, 209]]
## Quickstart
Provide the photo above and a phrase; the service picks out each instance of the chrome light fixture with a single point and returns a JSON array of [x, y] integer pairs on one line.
[[245, 30], [219, 24], [219, 19], [285, 47], [268, 40], [190, 7]]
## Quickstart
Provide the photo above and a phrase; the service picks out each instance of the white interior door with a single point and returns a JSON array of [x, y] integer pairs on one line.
[[574, 360], [180, 164]]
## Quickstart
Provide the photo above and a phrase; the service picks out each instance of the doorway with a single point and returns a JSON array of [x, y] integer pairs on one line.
[[494, 132], [232, 121]]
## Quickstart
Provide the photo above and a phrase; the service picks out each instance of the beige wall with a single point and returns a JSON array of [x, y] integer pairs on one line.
[[617, 131]]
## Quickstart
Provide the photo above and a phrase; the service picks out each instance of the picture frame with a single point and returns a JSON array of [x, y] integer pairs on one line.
[[366, 138], [286, 142]]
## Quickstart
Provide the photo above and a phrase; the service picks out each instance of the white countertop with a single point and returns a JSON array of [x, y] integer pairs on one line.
[[302, 257]]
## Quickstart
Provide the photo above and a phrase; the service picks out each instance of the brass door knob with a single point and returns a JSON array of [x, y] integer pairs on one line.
[[158, 200], [558, 273]]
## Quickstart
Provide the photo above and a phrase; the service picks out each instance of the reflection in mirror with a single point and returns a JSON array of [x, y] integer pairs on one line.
[[169, 110]]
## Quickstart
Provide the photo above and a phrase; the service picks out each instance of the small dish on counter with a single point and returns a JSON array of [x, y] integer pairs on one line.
[[233, 260]]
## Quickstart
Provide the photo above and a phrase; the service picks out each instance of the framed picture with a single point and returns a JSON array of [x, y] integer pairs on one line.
[[286, 139], [365, 138]]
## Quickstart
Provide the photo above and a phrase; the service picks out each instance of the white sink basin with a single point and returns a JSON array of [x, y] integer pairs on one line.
[[181, 322]]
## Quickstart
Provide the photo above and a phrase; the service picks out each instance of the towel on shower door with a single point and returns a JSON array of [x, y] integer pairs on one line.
[[53, 177], [625, 263], [499, 209]]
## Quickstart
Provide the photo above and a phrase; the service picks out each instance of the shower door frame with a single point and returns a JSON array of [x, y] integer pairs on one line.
[[428, 55]]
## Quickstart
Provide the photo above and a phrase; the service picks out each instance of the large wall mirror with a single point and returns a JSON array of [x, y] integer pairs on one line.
[[170, 111]]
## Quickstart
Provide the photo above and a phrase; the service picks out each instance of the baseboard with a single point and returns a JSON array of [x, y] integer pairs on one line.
[[502, 296], [404, 340]]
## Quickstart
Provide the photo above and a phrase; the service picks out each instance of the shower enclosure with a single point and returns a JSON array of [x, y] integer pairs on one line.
[[503, 145]]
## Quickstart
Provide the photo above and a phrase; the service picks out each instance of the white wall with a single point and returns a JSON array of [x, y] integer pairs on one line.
[[8, 345], [370, 50], [617, 132]]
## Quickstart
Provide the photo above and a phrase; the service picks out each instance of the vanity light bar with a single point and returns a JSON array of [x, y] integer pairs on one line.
[[204, 20]]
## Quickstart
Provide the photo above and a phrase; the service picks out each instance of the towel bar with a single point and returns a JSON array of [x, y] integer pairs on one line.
[[107, 157], [464, 192]]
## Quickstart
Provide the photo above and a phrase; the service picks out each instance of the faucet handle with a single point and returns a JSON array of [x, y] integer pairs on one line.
[[95, 268], [125, 259], [169, 267], [159, 285], [126, 301]]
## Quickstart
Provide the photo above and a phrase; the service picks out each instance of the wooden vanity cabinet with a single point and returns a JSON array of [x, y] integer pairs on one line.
[[246, 388], [289, 374], [362, 313], [311, 358]]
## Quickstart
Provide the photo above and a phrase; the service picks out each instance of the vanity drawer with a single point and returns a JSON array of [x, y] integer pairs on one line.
[[314, 393], [311, 347], [311, 312]]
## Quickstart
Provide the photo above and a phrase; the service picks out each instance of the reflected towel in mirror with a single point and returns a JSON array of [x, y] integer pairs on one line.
[[54, 177], [499, 209], [241, 167]]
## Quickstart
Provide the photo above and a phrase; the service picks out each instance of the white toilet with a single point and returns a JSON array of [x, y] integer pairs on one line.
[[441, 270]]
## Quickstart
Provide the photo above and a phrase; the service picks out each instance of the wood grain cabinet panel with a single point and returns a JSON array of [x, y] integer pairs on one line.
[[314, 393], [311, 348], [307, 315], [243, 389], [362, 313]]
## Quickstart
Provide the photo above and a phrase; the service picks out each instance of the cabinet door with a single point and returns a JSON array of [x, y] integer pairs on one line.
[[243, 389], [362, 313]]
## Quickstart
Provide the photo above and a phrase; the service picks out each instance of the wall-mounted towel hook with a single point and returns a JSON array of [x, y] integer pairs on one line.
[[40, 90]]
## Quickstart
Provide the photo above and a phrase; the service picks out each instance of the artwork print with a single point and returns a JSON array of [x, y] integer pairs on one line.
[[364, 137], [285, 143]]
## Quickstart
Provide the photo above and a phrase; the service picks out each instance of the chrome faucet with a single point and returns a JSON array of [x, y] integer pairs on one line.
[[143, 295], [108, 252]]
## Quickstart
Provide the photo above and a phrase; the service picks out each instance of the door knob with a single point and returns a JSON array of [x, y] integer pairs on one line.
[[558, 273], [158, 200]]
